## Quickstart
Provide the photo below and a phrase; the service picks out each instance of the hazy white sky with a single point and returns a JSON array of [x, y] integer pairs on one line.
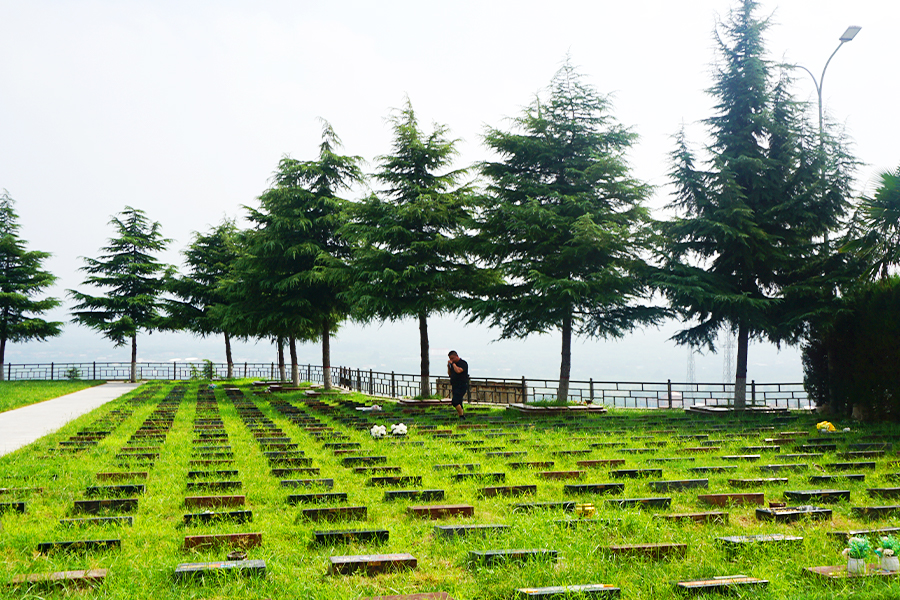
[[183, 109]]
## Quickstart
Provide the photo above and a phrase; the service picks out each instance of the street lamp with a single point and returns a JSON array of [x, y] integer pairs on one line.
[[846, 37]]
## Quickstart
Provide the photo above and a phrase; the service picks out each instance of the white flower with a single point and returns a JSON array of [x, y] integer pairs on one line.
[[398, 429], [887, 552], [378, 431]]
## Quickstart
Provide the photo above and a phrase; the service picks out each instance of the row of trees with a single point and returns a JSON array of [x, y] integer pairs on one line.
[[551, 234]]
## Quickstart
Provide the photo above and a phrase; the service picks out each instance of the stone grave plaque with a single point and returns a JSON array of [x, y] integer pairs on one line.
[[458, 467], [840, 572], [722, 583], [850, 466], [591, 590], [842, 477], [717, 517], [593, 488], [680, 484], [600, 463], [335, 513], [61, 578], [427, 495], [768, 539], [784, 467], [478, 476], [214, 501], [395, 480], [508, 490], [95, 506], [236, 540], [371, 564], [97, 521], [790, 514], [738, 499], [468, 530], [493, 557], [529, 506], [18, 507], [817, 495], [327, 483], [125, 476], [438, 511], [345, 536], [874, 512], [531, 465], [352, 461], [639, 502], [78, 546], [846, 535], [635, 473], [425, 596], [295, 471], [205, 474], [385, 469], [893, 492], [745, 483], [237, 516], [561, 474], [713, 469], [655, 551], [321, 497], [213, 486], [247, 568]]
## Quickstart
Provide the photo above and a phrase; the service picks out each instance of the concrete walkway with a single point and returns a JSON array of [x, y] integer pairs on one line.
[[25, 425]]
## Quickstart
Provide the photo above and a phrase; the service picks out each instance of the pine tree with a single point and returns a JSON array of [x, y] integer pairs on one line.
[[408, 260], [288, 291], [564, 223], [134, 278], [746, 252], [199, 296], [22, 278]]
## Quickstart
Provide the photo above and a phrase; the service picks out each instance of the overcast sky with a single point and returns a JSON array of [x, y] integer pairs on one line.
[[184, 108]]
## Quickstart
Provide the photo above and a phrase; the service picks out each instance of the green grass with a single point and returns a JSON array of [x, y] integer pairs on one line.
[[16, 394], [152, 548]]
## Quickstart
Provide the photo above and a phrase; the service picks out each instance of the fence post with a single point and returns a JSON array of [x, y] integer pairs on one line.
[[524, 391], [753, 391], [358, 380], [9, 371], [94, 377], [245, 369], [592, 390], [371, 384], [393, 386], [669, 388], [51, 371]]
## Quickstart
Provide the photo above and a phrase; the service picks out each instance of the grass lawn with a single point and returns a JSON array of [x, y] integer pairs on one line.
[[16, 394], [182, 425]]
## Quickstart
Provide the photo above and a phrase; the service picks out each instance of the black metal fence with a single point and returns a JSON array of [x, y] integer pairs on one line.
[[662, 395]]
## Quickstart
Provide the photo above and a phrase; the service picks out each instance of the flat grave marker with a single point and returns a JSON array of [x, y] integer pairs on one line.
[[371, 564], [79, 546], [738, 499], [508, 490], [721, 583], [680, 484], [236, 540], [717, 517], [346, 536], [236, 516], [493, 557], [655, 551], [426, 495], [789, 514], [61, 578], [593, 488], [335, 513], [590, 590], [97, 521], [768, 539], [639, 502], [439, 511], [246, 568], [214, 501], [809, 496], [95, 506]]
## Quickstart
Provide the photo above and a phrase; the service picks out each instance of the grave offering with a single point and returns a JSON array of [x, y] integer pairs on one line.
[[246, 568], [371, 564], [591, 590], [493, 557]]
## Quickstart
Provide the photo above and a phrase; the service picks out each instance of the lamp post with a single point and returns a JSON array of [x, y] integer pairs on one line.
[[846, 37]]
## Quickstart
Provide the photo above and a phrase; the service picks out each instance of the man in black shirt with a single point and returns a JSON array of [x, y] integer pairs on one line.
[[458, 370]]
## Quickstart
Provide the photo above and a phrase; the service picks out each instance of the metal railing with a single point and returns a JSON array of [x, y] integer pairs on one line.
[[657, 395]]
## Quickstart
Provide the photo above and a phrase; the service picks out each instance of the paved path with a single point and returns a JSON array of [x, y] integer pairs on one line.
[[23, 426]]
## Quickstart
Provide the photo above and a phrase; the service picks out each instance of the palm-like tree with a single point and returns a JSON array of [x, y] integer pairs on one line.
[[875, 237]]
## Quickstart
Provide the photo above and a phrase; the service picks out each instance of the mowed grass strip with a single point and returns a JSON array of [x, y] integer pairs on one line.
[[296, 567], [16, 394]]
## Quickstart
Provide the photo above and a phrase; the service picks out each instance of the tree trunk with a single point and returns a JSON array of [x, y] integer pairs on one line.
[[565, 365], [2, 358], [740, 373], [282, 375], [228, 361], [425, 387], [134, 358], [295, 370], [326, 356]]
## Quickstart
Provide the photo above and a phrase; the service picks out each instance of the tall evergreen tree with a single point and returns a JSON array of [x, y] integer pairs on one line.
[[746, 252], [564, 223], [199, 296], [288, 292], [22, 278], [134, 280], [408, 260]]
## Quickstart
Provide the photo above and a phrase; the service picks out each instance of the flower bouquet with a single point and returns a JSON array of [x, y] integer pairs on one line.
[[398, 429], [889, 554], [858, 548], [378, 431]]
